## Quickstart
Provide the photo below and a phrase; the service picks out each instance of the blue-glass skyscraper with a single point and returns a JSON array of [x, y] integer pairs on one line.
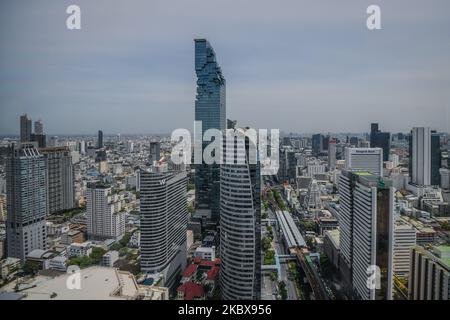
[[210, 109]]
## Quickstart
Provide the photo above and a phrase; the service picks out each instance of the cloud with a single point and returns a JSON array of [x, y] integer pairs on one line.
[[303, 66]]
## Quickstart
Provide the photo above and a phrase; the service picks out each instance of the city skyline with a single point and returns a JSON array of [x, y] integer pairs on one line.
[[257, 195], [396, 76]]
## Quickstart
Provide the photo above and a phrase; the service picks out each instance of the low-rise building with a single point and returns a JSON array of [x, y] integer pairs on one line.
[[9, 267], [205, 253], [79, 249], [110, 258]]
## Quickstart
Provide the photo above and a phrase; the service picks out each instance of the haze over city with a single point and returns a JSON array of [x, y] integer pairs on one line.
[[302, 66]]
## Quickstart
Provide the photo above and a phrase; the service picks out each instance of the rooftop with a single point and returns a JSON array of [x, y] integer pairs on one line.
[[97, 283]]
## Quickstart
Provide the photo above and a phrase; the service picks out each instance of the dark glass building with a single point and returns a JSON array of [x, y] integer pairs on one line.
[[317, 144], [435, 159], [100, 139], [381, 140], [210, 109]]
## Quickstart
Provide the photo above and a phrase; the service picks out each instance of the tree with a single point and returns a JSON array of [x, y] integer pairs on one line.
[[96, 255], [31, 268], [125, 239], [266, 243], [270, 231], [82, 262], [273, 276], [282, 290], [116, 246]]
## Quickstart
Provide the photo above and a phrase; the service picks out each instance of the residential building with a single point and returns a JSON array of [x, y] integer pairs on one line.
[[27, 202], [105, 217], [164, 218], [61, 186], [25, 128]]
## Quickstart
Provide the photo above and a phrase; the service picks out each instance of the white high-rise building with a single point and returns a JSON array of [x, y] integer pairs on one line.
[[366, 218], [82, 147], [404, 241], [420, 156], [164, 219], [364, 159], [429, 276], [130, 146], [240, 218], [26, 196], [445, 178], [61, 187], [332, 155], [105, 217]]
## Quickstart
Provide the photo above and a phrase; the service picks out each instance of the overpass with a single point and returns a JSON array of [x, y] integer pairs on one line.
[[299, 251]]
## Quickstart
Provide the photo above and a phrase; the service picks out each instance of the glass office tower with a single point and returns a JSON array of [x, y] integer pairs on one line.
[[211, 111]]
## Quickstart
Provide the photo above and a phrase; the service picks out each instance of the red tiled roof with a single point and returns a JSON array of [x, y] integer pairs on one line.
[[212, 274], [210, 263], [190, 270], [191, 290], [197, 260]]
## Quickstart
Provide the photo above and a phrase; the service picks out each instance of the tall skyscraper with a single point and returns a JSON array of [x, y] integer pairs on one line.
[[82, 147], [381, 140], [332, 154], [210, 109], [38, 127], [105, 217], [317, 144], [38, 135], [364, 159], [436, 158], [420, 156], [155, 152], [368, 224], [61, 187], [240, 220], [25, 128], [164, 219], [100, 139], [26, 181], [429, 276]]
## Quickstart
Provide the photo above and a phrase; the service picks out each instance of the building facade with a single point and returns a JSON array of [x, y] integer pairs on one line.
[[210, 110], [27, 203], [105, 217], [240, 220], [61, 187], [420, 156], [429, 276], [164, 219], [367, 232], [364, 159]]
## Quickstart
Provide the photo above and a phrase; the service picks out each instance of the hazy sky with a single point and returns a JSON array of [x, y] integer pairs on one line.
[[301, 66]]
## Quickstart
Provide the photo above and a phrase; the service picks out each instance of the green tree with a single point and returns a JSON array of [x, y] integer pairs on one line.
[[31, 268], [96, 255], [282, 290], [125, 239]]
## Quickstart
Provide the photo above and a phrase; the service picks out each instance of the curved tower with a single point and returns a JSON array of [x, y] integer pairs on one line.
[[240, 220]]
